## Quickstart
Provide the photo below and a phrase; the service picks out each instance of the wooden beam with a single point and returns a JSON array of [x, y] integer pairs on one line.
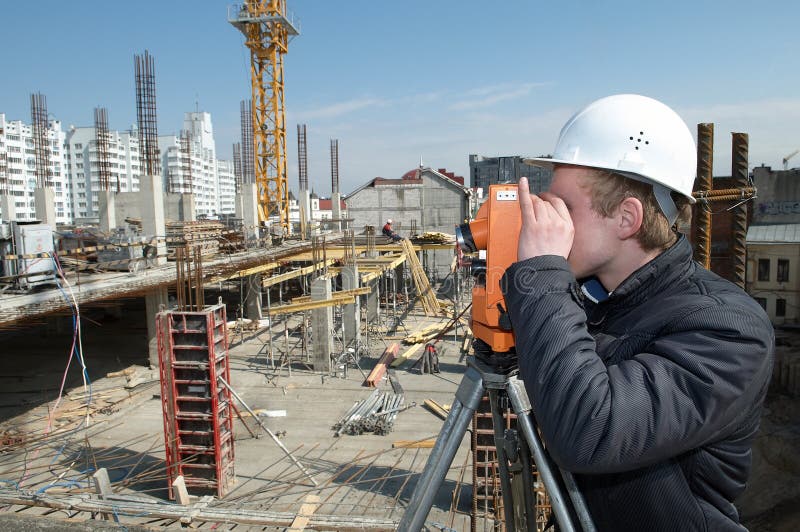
[[285, 276], [362, 291], [310, 305]]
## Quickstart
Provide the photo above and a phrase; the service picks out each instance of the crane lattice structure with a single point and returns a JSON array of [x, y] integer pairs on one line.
[[267, 30]]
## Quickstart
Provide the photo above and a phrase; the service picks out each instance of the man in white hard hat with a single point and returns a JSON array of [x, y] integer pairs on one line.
[[650, 392], [388, 231]]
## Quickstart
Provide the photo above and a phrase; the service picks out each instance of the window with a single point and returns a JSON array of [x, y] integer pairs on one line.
[[780, 307], [763, 269], [762, 301], [783, 270]]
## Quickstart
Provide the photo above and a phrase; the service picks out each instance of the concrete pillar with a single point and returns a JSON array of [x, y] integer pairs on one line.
[[252, 297], [107, 210], [8, 208], [336, 209], [247, 210], [152, 303], [45, 201], [322, 326], [305, 212], [351, 314], [373, 302], [151, 200]]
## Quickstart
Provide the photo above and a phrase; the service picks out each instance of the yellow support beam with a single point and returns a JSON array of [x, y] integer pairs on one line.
[[364, 290], [310, 305], [285, 276]]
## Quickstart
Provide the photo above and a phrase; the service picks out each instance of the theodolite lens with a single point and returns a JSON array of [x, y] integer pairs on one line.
[[478, 271], [464, 238]]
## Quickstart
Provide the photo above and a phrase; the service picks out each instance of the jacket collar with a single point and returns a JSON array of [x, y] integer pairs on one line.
[[662, 271]]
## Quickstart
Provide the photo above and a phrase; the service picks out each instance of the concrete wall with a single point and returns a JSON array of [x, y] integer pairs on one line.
[[436, 204], [177, 207], [778, 199]]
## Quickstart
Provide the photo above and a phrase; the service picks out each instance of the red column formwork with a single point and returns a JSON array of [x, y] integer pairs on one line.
[[198, 408]]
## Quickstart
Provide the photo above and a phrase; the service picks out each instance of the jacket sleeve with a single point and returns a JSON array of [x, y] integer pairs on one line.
[[697, 377]]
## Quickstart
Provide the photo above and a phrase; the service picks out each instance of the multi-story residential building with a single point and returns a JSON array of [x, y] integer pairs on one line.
[[82, 160], [18, 168], [190, 165], [226, 187]]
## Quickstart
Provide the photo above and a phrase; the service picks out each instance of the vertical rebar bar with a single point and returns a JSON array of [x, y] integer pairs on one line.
[[334, 166], [145, 74], [101, 141], [237, 166], [702, 212], [41, 142], [302, 157], [248, 150], [186, 162], [740, 174]]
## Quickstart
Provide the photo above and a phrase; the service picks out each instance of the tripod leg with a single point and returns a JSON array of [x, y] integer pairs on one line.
[[522, 407], [502, 460], [468, 396]]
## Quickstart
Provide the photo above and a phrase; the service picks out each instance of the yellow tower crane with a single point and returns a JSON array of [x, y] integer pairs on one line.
[[268, 29]]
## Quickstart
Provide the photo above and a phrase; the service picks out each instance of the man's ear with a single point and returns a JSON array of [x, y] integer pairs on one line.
[[630, 215]]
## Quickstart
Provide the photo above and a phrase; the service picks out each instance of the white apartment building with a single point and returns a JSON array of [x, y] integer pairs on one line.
[[83, 167], [226, 187], [18, 168], [198, 174]]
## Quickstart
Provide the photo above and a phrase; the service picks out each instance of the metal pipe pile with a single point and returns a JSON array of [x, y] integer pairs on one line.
[[374, 414]]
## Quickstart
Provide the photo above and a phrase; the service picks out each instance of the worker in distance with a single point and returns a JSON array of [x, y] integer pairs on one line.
[[650, 392]]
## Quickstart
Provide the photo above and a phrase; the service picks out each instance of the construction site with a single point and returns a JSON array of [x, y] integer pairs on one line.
[[270, 371]]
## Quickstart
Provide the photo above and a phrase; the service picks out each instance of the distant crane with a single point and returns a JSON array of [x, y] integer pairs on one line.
[[267, 30], [786, 159]]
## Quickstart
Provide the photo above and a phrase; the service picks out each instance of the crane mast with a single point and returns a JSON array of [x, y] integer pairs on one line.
[[268, 30]]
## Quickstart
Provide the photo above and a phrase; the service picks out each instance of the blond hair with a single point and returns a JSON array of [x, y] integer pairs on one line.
[[609, 189]]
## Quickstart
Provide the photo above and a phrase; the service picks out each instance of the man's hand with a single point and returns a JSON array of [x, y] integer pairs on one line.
[[546, 225]]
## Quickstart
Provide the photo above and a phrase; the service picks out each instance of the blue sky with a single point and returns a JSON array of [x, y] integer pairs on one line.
[[437, 80]]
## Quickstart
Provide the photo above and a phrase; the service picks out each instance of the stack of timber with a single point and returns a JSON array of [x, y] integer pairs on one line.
[[379, 370], [423, 286], [435, 237], [427, 334]]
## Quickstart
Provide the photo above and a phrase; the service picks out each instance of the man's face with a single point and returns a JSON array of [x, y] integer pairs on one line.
[[594, 245]]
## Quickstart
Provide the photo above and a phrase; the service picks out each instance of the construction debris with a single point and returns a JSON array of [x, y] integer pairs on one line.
[[434, 237], [379, 370], [375, 414]]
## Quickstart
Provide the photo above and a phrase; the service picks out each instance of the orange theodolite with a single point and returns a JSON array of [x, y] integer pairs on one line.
[[494, 234]]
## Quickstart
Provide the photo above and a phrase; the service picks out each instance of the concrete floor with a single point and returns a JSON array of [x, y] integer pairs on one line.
[[357, 475]]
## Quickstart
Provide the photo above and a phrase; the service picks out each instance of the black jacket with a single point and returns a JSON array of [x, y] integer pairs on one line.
[[653, 396]]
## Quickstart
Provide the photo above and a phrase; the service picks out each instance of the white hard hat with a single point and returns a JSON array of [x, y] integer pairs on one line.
[[389, 221], [635, 136]]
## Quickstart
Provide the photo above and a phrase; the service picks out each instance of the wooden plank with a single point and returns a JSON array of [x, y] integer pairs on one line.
[[275, 279], [310, 505], [379, 370], [411, 444], [405, 355], [310, 305], [179, 491], [361, 291]]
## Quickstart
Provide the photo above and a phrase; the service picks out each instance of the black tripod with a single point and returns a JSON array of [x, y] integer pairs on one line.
[[570, 511]]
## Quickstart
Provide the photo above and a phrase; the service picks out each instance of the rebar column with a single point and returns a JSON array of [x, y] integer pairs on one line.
[[101, 137], [702, 213], [740, 175], [248, 151], [237, 166], [145, 76], [41, 142]]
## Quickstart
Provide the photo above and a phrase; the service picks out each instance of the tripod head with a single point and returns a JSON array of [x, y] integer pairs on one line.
[[493, 235]]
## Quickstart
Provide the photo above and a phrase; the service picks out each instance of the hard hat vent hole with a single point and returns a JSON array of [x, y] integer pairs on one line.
[[638, 140]]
